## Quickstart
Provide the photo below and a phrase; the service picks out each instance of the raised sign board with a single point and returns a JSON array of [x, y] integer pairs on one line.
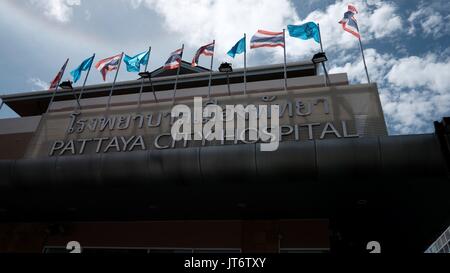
[[305, 114]]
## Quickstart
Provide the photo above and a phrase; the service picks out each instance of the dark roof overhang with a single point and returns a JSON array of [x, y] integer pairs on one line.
[[397, 185]]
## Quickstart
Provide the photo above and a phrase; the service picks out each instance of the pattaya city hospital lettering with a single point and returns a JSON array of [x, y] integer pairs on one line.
[[156, 120]]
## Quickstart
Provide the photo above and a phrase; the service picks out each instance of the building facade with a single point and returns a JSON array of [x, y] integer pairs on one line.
[[105, 171]]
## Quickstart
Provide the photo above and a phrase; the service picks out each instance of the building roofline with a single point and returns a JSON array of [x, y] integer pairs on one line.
[[36, 102], [195, 76]]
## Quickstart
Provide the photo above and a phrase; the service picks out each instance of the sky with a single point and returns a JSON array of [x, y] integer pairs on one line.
[[407, 43]]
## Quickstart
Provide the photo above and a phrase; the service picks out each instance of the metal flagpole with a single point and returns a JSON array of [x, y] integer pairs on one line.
[[327, 80], [57, 87], [245, 64], [151, 81], [142, 81], [320, 38], [84, 83], [114, 83], [228, 83], [285, 68], [76, 98], [153, 89], [364, 59], [178, 73], [211, 70]]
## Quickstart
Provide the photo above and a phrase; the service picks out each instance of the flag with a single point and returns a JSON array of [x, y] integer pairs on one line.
[[174, 60], [349, 23], [58, 76], [134, 63], [264, 38], [238, 48], [108, 64], [85, 65], [305, 31], [207, 50]]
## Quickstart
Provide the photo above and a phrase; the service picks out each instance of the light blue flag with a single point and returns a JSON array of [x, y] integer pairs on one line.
[[238, 48], [305, 31], [85, 65], [134, 63]]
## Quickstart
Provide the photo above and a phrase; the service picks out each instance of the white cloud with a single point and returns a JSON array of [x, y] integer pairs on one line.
[[412, 111], [414, 91], [430, 21], [58, 10], [429, 72], [384, 21], [199, 21], [38, 84], [375, 20], [378, 66]]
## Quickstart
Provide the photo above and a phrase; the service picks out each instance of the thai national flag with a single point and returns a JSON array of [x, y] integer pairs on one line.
[[264, 38], [349, 23], [58, 76], [207, 50], [108, 64], [174, 60]]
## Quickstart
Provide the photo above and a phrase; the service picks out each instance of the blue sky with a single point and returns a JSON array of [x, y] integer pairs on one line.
[[407, 42]]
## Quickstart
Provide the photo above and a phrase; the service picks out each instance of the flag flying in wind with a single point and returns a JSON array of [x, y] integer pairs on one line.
[[134, 63], [349, 23], [174, 60], [238, 48], [108, 64], [58, 76], [264, 38], [85, 65], [306, 31], [207, 50]]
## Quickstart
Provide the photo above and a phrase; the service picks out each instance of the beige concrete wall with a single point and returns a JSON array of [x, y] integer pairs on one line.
[[19, 125], [357, 105]]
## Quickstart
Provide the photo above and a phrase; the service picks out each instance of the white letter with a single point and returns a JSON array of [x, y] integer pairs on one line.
[[198, 118], [183, 123], [274, 130], [216, 122]]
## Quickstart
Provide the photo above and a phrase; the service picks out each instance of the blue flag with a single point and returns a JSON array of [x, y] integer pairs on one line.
[[85, 65], [134, 63], [305, 31], [238, 48]]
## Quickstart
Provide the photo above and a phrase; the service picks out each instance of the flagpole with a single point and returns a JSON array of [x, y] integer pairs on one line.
[[84, 83], [142, 81], [178, 73], [211, 70], [57, 87], [364, 59], [245, 64], [153, 89], [323, 63], [151, 81], [320, 38], [285, 68], [114, 83], [76, 98]]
